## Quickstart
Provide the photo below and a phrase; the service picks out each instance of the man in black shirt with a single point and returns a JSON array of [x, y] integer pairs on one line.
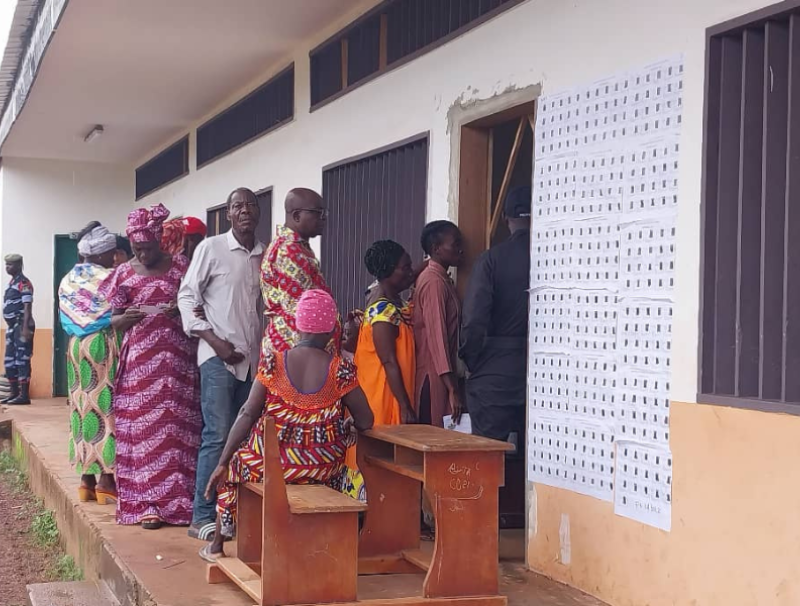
[[495, 328]]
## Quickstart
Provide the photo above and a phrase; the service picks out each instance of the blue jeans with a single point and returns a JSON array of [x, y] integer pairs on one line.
[[221, 397]]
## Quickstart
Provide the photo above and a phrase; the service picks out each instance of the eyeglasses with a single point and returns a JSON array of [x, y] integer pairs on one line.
[[322, 212]]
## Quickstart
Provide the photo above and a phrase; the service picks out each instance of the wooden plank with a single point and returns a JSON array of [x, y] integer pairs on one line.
[[463, 488], [499, 600], [215, 575], [427, 438], [773, 194], [315, 498], [241, 574], [512, 162], [256, 487], [749, 211], [380, 565], [474, 198], [419, 557], [421, 601], [250, 528], [415, 472], [727, 218], [392, 521]]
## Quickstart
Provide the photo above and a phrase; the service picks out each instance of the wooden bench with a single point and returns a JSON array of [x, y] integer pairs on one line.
[[296, 544]]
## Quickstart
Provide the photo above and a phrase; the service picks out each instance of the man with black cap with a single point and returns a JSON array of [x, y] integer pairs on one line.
[[495, 327], [17, 306]]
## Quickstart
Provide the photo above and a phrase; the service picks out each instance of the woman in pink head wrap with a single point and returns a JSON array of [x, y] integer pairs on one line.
[[156, 399], [305, 390]]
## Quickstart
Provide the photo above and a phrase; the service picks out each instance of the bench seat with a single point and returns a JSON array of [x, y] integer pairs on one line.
[[313, 498]]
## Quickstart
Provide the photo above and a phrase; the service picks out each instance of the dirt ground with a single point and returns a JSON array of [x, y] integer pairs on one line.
[[20, 562]]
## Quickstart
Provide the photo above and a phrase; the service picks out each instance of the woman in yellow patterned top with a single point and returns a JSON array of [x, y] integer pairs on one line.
[[385, 352]]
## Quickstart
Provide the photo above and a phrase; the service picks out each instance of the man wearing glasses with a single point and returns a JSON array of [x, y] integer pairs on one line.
[[223, 279], [290, 268]]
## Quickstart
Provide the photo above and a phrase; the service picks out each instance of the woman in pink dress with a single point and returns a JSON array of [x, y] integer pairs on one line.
[[156, 398]]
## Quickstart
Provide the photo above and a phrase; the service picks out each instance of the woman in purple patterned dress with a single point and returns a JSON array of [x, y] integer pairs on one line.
[[156, 397]]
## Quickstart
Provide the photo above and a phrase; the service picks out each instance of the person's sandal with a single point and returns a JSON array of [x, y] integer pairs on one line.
[[105, 497], [86, 494], [152, 523], [206, 555]]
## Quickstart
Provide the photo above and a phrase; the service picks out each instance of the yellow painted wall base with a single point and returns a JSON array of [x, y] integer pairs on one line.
[[735, 538], [42, 363]]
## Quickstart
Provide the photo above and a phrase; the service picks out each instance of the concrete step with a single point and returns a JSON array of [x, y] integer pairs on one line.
[[75, 593]]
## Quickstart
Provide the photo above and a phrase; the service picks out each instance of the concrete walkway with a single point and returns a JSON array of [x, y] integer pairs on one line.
[[161, 567]]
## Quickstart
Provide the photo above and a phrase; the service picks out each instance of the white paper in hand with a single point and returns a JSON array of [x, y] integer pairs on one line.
[[464, 425]]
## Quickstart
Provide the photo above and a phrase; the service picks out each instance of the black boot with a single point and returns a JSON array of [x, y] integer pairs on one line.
[[23, 397], [14, 385]]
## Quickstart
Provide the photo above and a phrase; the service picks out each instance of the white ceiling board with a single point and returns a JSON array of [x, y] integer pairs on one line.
[[148, 69]]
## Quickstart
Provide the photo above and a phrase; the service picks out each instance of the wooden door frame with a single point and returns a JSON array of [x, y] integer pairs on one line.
[[474, 183]]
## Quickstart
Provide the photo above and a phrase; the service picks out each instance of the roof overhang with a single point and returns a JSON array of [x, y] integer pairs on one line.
[[148, 70]]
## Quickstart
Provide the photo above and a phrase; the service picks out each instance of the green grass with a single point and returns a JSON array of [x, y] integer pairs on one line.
[[10, 468], [43, 531], [64, 568]]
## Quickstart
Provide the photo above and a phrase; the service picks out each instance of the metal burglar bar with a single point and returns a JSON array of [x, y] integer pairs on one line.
[[750, 322], [376, 197], [394, 32], [166, 167], [266, 108]]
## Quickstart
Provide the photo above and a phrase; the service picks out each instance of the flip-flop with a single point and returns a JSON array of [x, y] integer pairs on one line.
[[205, 532], [152, 523], [206, 555]]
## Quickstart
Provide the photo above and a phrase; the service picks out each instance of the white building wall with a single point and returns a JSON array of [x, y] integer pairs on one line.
[[42, 198], [551, 43]]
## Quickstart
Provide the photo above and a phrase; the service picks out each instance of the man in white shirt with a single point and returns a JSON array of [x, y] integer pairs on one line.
[[224, 279]]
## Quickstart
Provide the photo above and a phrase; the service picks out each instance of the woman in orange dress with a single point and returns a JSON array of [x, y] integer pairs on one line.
[[385, 352]]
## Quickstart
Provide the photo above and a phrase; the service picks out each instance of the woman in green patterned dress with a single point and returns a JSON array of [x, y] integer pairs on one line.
[[91, 364]]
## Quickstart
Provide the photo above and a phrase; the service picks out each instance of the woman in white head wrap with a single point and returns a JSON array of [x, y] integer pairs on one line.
[[91, 364]]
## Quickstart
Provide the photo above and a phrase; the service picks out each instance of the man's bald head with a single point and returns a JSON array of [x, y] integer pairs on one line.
[[305, 212], [302, 198]]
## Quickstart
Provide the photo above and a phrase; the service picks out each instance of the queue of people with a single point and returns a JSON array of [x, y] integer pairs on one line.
[[181, 344]]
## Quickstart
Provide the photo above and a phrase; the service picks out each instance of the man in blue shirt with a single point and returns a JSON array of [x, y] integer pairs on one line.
[[18, 314]]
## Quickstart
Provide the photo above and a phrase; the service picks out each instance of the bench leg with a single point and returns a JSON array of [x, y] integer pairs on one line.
[[311, 560], [249, 532], [463, 488], [215, 575]]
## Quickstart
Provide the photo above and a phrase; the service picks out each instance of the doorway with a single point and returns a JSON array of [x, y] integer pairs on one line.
[[496, 156], [66, 256]]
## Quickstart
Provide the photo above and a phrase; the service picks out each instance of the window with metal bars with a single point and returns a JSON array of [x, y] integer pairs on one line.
[[265, 109], [217, 217], [393, 33], [750, 322], [378, 196], [168, 166]]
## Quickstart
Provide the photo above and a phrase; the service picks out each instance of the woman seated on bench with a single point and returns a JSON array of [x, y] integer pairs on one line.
[[303, 390]]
